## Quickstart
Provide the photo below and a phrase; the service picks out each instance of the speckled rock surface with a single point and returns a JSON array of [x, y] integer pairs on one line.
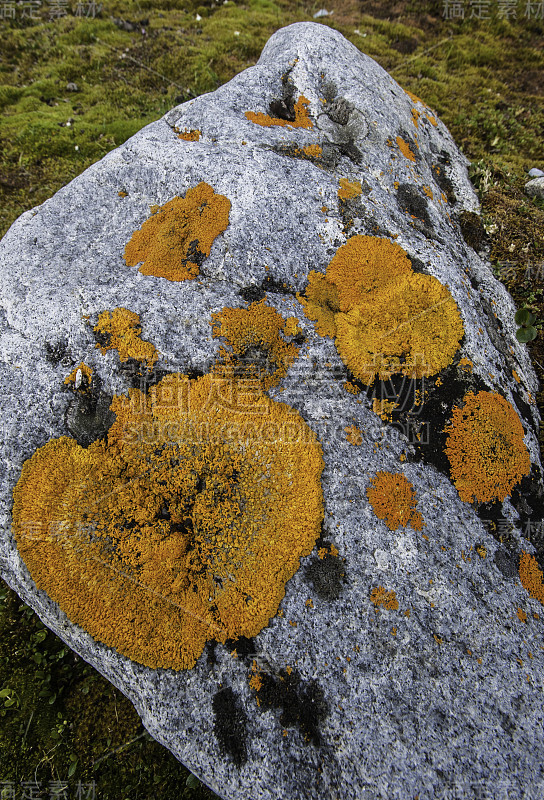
[[430, 686]]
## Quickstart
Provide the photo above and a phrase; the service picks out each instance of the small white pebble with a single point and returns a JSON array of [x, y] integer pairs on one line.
[[76, 147], [198, 17], [237, 33]]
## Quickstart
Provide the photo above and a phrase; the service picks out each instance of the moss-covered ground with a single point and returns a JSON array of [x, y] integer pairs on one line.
[[74, 87]]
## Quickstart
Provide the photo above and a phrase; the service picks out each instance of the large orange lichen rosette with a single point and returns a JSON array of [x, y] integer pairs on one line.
[[183, 526], [485, 448], [386, 318]]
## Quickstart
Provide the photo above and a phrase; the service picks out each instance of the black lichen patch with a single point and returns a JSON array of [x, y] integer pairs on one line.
[[441, 178], [410, 199], [244, 647], [230, 725], [58, 353], [88, 416], [276, 287], [326, 575], [472, 229], [252, 294], [302, 702]]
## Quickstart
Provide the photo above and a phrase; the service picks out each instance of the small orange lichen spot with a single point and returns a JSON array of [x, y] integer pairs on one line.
[[393, 499], [405, 149], [256, 682], [354, 435], [178, 236], [381, 597], [480, 549], [182, 526], [80, 377], [383, 408], [258, 349], [437, 639], [521, 615], [393, 631], [292, 623], [414, 98], [536, 616], [466, 364], [415, 116], [292, 327], [312, 150], [122, 331], [190, 136], [396, 184], [402, 457], [309, 603], [234, 654], [351, 388], [334, 551], [349, 189], [122, 193], [324, 209], [301, 120], [322, 552], [407, 612], [424, 536], [485, 448], [428, 191], [431, 118], [531, 576], [515, 375]]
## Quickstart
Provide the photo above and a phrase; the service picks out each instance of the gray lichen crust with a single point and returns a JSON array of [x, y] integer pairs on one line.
[[406, 659]]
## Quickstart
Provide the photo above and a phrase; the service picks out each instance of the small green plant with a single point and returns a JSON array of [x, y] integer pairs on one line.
[[525, 319]]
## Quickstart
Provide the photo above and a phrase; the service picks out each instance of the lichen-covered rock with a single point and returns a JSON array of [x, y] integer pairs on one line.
[[270, 452]]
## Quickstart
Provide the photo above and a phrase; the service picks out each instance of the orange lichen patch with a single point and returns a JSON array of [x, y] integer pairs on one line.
[[354, 435], [404, 148], [302, 119], [183, 526], [292, 327], [428, 191], [412, 327], [321, 303], [415, 116], [515, 376], [482, 552], [485, 448], [431, 118], [190, 136], [122, 330], [383, 408], [258, 348], [312, 150], [531, 576], [414, 98], [386, 318], [381, 597], [351, 388], [349, 189], [80, 377], [466, 364], [393, 499], [178, 236], [522, 616], [122, 193], [364, 264]]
